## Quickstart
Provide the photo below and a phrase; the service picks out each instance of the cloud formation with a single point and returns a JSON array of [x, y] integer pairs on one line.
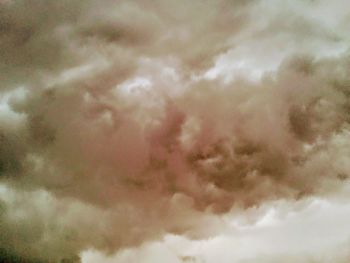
[[121, 121], [288, 231]]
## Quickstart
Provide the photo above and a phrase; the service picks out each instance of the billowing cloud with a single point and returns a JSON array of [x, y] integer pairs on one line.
[[309, 230], [124, 121]]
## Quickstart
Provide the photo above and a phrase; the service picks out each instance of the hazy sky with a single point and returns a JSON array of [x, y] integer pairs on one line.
[[175, 131]]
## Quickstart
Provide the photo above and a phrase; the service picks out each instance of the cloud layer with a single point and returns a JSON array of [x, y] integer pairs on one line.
[[122, 121]]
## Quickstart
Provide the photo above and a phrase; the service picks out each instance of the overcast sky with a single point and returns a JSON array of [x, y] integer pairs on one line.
[[175, 131]]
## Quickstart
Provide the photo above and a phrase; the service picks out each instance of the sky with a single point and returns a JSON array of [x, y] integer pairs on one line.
[[174, 131]]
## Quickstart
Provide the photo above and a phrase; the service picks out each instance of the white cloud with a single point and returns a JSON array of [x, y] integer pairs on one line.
[[312, 230]]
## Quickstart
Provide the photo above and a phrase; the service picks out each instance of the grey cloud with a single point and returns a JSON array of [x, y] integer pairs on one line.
[[90, 167]]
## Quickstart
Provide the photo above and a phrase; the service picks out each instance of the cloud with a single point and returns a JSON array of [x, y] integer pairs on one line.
[[122, 122], [309, 230]]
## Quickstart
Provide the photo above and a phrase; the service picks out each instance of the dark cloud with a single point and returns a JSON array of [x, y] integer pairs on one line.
[[88, 164]]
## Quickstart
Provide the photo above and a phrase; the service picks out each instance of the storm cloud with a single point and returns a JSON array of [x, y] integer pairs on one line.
[[124, 121]]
